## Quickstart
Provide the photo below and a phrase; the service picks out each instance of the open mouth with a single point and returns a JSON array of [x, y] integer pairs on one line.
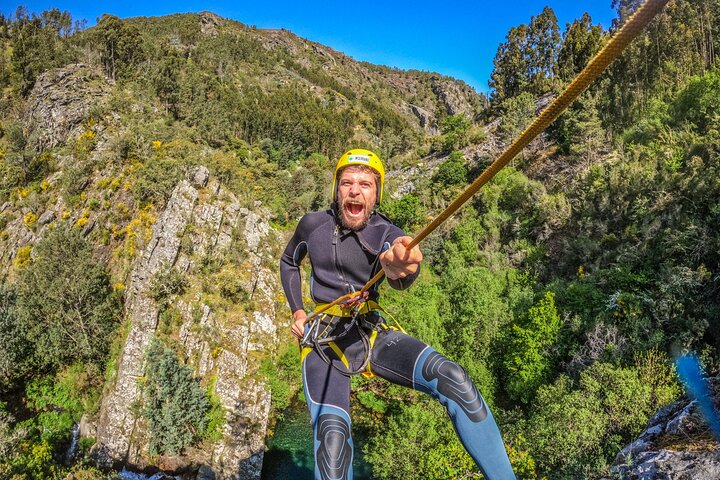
[[354, 209]]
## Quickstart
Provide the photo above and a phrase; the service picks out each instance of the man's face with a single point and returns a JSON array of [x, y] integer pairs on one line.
[[357, 193]]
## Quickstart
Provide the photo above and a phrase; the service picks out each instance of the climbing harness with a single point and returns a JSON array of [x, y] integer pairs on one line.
[[355, 314], [631, 29]]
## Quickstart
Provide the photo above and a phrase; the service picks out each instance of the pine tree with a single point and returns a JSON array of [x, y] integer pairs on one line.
[[542, 51], [175, 404], [509, 76], [580, 42]]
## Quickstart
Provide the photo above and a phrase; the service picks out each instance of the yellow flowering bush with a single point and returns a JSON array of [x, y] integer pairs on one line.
[[137, 232], [29, 219], [158, 148], [22, 257], [86, 141]]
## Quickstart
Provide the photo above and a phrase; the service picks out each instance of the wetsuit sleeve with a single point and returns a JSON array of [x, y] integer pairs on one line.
[[290, 266], [400, 283]]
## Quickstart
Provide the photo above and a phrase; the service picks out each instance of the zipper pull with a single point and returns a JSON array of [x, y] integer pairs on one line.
[[335, 235]]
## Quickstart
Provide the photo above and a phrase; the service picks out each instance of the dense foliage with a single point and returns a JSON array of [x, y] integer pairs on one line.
[[61, 309]]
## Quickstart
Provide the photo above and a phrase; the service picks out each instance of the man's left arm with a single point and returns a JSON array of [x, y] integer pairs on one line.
[[400, 264]]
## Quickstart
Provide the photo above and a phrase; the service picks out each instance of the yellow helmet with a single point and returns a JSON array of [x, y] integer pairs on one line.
[[363, 157]]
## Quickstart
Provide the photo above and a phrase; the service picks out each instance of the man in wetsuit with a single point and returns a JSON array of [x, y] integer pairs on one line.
[[347, 245]]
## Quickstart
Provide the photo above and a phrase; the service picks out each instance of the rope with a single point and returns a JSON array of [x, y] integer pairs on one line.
[[631, 29]]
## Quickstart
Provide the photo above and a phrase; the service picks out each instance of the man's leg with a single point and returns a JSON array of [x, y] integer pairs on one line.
[[327, 392], [404, 360]]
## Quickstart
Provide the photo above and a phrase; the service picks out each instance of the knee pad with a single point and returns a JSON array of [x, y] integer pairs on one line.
[[334, 454], [454, 384]]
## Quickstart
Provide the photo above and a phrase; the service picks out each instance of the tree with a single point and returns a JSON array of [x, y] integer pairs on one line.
[[453, 171], [544, 41], [455, 132], [509, 76], [121, 46], [527, 61], [677, 45], [576, 429], [528, 360], [14, 348], [175, 404], [38, 44], [65, 304], [167, 79], [580, 42], [579, 131], [406, 212], [517, 113]]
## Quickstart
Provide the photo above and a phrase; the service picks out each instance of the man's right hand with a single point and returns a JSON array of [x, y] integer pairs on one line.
[[298, 326]]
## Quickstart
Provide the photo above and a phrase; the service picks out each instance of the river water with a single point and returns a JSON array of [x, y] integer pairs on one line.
[[290, 450]]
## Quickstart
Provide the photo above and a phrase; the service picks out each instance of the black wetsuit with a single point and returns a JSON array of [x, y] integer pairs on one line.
[[343, 261]]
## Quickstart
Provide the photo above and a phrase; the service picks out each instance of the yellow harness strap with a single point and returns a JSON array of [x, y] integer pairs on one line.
[[339, 311], [340, 354]]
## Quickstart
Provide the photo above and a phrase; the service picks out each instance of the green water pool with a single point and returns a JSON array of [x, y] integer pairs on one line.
[[290, 455]]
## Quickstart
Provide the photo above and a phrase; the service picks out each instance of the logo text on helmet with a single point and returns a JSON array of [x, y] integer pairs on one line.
[[358, 159]]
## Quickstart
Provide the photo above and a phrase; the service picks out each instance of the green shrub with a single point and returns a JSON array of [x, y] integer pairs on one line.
[[422, 443], [215, 416], [455, 132], [155, 180], [453, 171], [517, 113], [528, 360], [283, 375], [575, 432], [166, 284], [176, 407], [407, 212]]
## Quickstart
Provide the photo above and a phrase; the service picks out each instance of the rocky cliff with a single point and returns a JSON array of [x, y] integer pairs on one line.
[[223, 337], [201, 219], [676, 445]]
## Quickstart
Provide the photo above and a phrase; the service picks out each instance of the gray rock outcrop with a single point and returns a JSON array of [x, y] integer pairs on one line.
[[454, 97], [676, 445], [60, 102], [426, 119], [202, 220], [117, 423], [209, 23]]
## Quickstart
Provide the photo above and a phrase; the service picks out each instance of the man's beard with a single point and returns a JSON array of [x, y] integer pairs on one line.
[[354, 224]]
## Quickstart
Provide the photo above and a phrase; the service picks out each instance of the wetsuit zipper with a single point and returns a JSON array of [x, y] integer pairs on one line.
[[338, 264]]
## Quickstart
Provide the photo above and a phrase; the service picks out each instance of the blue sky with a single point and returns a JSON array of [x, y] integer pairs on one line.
[[456, 37]]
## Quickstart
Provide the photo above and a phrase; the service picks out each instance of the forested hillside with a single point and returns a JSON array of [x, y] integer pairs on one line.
[[565, 288]]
